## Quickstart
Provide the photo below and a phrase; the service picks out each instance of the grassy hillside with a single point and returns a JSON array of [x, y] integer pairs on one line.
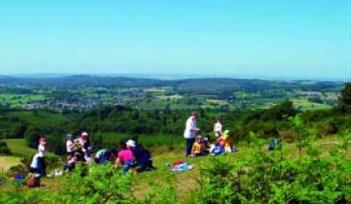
[[185, 183], [7, 161], [19, 150], [19, 147]]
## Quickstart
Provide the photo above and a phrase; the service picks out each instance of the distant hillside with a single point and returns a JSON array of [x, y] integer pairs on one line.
[[187, 86]]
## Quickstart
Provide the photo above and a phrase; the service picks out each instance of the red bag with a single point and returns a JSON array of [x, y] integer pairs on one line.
[[33, 181]]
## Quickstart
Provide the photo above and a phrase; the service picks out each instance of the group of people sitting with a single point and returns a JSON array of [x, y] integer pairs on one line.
[[202, 145], [129, 155], [197, 145]]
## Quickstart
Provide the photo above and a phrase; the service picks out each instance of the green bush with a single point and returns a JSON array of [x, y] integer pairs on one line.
[[4, 149], [269, 177], [18, 169], [98, 184]]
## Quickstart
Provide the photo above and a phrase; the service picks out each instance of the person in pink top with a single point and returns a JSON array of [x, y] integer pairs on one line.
[[125, 158]]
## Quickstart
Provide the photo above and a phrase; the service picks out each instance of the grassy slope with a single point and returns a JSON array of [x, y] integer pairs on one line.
[[36, 118], [186, 182], [6, 162], [19, 149]]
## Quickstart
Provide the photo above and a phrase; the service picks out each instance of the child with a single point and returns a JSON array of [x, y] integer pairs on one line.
[[40, 156], [217, 128], [224, 141], [199, 148], [222, 145]]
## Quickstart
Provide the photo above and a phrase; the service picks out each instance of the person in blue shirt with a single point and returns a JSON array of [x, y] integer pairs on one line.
[[102, 156]]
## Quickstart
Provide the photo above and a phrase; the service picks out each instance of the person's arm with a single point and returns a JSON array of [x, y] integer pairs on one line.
[[117, 163], [70, 146], [193, 126]]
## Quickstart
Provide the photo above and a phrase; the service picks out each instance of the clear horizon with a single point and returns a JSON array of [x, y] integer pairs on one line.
[[174, 76], [256, 39]]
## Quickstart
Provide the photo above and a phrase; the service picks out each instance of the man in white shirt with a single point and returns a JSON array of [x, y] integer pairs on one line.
[[191, 130], [217, 128]]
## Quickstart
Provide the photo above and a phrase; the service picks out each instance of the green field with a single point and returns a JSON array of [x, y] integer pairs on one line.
[[7, 161], [304, 104], [16, 100], [19, 147], [19, 150]]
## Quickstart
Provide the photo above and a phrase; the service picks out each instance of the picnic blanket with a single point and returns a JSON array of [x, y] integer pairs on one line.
[[181, 166]]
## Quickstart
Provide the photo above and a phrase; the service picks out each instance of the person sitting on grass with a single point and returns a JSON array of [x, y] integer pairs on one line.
[[142, 156], [125, 158], [222, 145], [224, 140], [71, 162], [199, 148], [103, 156]]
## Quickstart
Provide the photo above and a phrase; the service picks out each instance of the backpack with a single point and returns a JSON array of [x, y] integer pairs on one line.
[[218, 150]]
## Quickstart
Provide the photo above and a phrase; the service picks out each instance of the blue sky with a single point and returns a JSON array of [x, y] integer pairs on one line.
[[254, 38]]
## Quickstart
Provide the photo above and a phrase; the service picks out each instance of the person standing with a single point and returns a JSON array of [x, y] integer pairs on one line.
[[191, 130], [218, 128], [37, 165]]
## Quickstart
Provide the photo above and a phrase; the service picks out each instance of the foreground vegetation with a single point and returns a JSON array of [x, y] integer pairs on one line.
[[251, 175]]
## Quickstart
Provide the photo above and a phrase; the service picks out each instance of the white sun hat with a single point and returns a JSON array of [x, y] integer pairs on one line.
[[130, 143]]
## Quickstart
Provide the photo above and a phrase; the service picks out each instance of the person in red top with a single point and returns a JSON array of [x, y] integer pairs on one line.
[[125, 158]]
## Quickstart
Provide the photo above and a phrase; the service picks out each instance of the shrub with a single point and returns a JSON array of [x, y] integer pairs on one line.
[[287, 135], [18, 169], [100, 184], [4, 149], [269, 177]]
